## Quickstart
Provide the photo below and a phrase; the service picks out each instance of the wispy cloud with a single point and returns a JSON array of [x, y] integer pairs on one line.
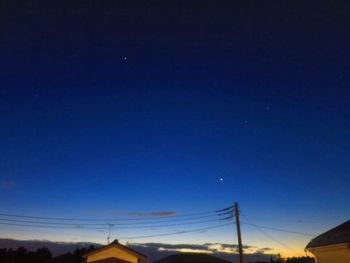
[[207, 247], [222, 250], [175, 246], [263, 250], [7, 184], [153, 213], [99, 212]]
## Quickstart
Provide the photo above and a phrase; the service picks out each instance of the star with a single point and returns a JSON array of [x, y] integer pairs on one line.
[[221, 179]]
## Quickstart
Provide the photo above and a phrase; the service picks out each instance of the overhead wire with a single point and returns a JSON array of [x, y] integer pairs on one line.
[[66, 223], [280, 229], [177, 232], [269, 236], [225, 214], [130, 237], [116, 219], [78, 226], [218, 215], [55, 233], [184, 220], [49, 226]]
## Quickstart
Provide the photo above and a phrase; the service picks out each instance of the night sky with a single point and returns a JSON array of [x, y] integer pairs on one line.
[[109, 108]]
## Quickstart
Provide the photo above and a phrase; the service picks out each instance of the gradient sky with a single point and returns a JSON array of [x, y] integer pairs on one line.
[[108, 108]]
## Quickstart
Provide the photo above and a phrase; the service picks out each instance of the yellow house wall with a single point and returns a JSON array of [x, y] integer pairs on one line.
[[110, 253], [339, 253]]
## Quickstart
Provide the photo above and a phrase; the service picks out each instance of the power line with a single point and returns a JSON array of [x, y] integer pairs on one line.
[[275, 240], [115, 219], [138, 223], [184, 220], [50, 232], [136, 237], [280, 230], [168, 225], [269, 236], [58, 227], [88, 226], [218, 215], [177, 233], [133, 225], [82, 226], [50, 223]]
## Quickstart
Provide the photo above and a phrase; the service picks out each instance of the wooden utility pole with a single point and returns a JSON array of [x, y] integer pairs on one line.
[[240, 249]]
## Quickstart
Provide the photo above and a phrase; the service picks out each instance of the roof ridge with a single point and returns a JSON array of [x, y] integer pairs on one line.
[[336, 235]]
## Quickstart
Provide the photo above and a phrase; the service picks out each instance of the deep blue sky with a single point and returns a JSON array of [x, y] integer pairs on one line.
[[111, 107]]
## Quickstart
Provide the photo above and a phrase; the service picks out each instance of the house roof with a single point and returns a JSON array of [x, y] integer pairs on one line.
[[111, 260], [339, 234], [115, 243]]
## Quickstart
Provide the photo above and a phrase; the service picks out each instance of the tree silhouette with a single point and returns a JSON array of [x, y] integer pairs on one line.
[[22, 255]]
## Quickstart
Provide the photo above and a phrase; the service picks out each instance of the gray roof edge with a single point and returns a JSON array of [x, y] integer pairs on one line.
[[336, 235]]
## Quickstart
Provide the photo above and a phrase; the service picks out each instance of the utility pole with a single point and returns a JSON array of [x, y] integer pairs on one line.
[[240, 249]]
